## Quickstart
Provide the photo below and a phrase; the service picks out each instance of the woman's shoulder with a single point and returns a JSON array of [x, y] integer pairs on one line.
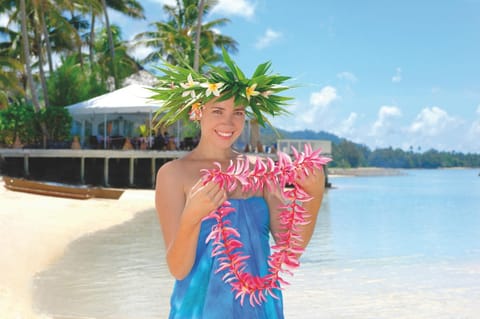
[[178, 169], [170, 166], [172, 170]]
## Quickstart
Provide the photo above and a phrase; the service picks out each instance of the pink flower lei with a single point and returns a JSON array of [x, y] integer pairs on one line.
[[226, 239]]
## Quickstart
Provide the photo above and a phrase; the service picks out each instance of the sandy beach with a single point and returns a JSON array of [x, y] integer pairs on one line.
[[35, 230]]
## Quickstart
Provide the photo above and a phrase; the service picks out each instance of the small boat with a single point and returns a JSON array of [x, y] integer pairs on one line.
[[60, 190]]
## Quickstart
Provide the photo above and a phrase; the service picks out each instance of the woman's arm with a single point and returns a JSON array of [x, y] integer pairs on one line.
[[181, 215], [314, 185]]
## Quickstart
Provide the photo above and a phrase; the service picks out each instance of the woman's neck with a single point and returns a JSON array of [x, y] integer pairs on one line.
[[206, 152]]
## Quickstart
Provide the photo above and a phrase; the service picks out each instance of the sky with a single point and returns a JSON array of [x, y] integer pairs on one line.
[[402, 74]]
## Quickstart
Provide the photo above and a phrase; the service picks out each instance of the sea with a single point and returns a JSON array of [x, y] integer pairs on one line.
[[404, 246]]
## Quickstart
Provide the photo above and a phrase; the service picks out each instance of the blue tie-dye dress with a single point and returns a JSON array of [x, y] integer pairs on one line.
[[203, 294]]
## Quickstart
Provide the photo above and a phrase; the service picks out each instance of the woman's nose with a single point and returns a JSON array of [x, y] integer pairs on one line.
[[228, 119]]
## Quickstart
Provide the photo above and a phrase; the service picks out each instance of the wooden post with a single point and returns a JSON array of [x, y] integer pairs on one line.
[[25, 165], [131, 171], [82, 170], [105, 171], [153, 171]]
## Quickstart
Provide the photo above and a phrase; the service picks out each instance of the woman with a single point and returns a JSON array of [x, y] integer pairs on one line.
[[183, 200]]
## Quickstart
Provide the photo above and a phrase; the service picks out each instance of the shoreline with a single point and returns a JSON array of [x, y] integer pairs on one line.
[[37, 229], [364, 172]]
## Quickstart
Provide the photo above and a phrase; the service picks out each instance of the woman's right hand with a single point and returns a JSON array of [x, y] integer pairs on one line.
[[203, 199]]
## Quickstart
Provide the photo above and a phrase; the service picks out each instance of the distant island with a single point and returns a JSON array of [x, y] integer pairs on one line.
[[348, 154]]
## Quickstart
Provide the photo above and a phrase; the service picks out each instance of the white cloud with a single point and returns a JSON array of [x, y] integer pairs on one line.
[[140, 52], [163, 2], [347, 126], [323, 98], [347, 76], [398, 76], [475, 129], [383, 123], [267, 39], [431, 121], [291, 122], [241, 8]]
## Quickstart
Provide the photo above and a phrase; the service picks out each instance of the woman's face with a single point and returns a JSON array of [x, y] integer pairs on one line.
[[221, 122]]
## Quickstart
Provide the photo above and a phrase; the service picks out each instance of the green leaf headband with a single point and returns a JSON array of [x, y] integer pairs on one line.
[[184, 91]]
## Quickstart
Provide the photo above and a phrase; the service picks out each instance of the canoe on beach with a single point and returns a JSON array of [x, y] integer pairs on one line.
[[60, 190]]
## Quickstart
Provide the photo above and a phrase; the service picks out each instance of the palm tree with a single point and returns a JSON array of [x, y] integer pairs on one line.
[[198, 31], [28, 69], [26, 55], [175, 40], [9, 85], [131, 8], [123, 63]]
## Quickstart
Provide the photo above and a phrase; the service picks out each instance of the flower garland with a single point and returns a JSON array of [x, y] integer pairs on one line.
[[226, 239]]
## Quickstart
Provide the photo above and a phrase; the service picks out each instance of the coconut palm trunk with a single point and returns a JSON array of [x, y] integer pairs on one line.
[[110, 45], [43, 80], [28, 69], [26, 56], [48, 46], [196, 60]]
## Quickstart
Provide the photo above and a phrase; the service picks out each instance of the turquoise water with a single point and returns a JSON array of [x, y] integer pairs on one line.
[[385, 247], [430, 214]]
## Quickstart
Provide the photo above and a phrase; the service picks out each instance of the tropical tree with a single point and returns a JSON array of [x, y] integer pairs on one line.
[[26, 56], [133, 9], [123, 62], [198, 31], [71, 83], [10, 87], [174, 40]]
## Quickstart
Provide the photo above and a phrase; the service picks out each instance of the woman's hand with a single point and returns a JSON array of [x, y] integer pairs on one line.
[[203, 199], [313, 183]]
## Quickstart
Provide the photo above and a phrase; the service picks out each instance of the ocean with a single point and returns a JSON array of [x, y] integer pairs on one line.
[[405, 246]]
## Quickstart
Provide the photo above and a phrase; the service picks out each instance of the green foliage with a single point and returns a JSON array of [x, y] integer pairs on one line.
[[124, 64], [70, 83], [190, 129], [58, 122], [17, 120], [349, 154], [174, 40], [22, 121]]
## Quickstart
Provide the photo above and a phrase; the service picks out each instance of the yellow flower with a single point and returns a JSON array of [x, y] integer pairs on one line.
[[250, 91], [195, 113], [212, 88]]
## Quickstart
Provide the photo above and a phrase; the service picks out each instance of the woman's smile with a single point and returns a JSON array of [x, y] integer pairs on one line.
[[224, 134]]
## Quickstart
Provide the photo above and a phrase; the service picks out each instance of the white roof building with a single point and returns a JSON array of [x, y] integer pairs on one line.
[[117, 113]]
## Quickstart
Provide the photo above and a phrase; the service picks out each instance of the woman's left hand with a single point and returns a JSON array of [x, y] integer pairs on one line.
[[313, 183]]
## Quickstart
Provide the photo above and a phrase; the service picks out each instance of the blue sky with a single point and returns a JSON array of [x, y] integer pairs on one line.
[[381, 73]]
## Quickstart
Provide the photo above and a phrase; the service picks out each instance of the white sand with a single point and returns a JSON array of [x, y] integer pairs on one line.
[[35, 230]]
